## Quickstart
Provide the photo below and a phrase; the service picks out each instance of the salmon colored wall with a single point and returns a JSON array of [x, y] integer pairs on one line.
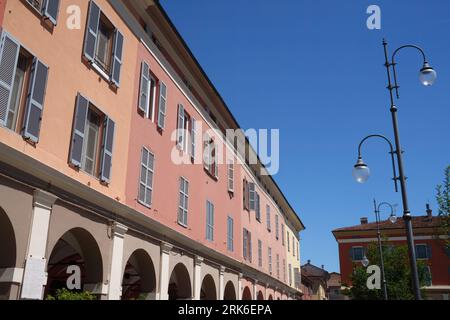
[[62, 50], [439, 262], [2, 11], [259, 231], [166, 177]]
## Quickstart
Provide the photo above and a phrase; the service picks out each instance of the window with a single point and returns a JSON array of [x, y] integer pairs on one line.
[[423, 251], [47, 8], [357, 253], [186, 131], [211, 158], [268, 218], [183, 202], [293, 247], [230, 176], [246, 195], [276, 227], [290, 274], [147, 92], [92, 140], [257, 207], [278, 266], [247, 245], [209, 221], [103, 45], [270, 259], [251, 195], [282, 234], [259, 253], [230, 232], [146, 180], [23, 80], [288, 242], [284, 270]]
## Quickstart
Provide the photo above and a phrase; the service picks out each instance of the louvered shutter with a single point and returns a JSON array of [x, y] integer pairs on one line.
[[117, 59], [35, 100], [107, 150], [180, 127], [144, 88], [79, 124], [193, 141], [162, 105], [90, 40], [51, 9], [9, 53], [252, 199]]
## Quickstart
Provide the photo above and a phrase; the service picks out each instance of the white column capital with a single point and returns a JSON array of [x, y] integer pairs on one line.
[[166, 247], [43, 199], [119, 229], [240, 276], [198, 260], [222, 270]]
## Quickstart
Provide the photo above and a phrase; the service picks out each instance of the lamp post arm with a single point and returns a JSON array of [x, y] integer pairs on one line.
[[392, 152], [393, 64]]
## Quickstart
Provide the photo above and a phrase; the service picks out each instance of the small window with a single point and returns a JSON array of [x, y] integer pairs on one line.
[[260, 253], [209, 221], [103, 50], [90, 163], [16, 108], [276, 227], [48, 9], [290, 274], [146, 180], [257, 207], [357, 253], [269, 228], [210, 158], [185, 131], [282, 234], [147, 92], [278, 266], [422, 251], [247, 245], [288, 242], [284, 270], [230, 234], [270, 260], [183, 202], [230, 176]]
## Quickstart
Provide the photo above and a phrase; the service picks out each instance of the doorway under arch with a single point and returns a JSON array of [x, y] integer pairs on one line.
[[139, 278], [260, 296], [246, 294], [180, 283], [230, 291], [208, 289]]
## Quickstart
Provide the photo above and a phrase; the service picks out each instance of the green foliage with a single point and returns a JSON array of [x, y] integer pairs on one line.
[[64, 294], [397, 272], [443, 200]]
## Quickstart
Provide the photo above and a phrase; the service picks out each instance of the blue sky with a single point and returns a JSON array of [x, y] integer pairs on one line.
[[312, 69]]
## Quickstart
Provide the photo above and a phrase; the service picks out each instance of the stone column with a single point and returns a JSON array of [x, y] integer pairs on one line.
[[115, 278], [164, 271], [240, 275], [197, 277], [255, 291], [35, 275], [221, 282]]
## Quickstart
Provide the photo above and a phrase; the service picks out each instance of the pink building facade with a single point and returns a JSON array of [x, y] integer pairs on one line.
[[91, 181]]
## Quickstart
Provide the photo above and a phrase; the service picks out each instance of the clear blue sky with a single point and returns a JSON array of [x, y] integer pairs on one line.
[[312, 69]]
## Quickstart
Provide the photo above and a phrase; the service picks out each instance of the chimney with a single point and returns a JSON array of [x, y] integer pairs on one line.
[[323, 267], [309, 261], [429, 211], [364, 220]]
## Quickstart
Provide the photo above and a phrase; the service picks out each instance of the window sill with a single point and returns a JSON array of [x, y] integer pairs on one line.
[[148, 206], [185, 226], [97, 68]]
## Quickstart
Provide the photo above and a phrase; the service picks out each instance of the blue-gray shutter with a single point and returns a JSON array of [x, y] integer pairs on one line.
[[244, 249], [9, 53], [162, 105], [216, 160], [145, 83], [117, 59], [193, 130], [249, 236], [79, 124], [35, 101], [251, 188], [180, 127], [107, 150], [51, 9], [257, 207], [90, 40]]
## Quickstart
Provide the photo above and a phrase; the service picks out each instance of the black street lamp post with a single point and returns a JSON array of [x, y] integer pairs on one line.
[[392, 219], [361, 171]]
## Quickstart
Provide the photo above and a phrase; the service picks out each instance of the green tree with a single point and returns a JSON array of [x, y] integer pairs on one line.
[[397, 272], [65, 294], [443, 200]]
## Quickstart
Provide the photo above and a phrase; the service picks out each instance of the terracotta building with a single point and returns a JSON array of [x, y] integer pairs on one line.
[[429, 240], [93, 117]]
